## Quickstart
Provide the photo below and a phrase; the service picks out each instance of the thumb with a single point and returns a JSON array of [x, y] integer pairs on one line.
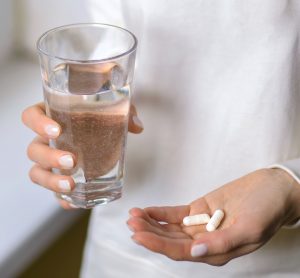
[[135, 125], [219, 242]]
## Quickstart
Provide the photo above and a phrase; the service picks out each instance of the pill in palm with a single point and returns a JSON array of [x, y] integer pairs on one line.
[[215, 220], [197, 219]]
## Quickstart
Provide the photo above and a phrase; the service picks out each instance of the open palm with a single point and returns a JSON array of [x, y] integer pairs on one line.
[[251, 219]]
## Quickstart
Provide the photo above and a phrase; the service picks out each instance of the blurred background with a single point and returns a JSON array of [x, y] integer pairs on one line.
[[36, 235]]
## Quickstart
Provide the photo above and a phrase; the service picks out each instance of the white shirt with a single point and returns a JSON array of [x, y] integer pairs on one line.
[[217, 88], [218, 91]]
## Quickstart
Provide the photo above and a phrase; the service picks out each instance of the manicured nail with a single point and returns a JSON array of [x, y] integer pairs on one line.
[[199, 250], [52, 130], [64, 185], [137, 122], [66, 161]]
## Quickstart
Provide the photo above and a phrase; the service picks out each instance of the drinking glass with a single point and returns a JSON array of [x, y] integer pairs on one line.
[[87, 72]]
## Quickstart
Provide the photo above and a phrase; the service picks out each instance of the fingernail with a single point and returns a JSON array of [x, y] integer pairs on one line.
[[138, 243], [52, 130], [66, 161], [64, 185], [199, 250], [73, 206], [137, 122]]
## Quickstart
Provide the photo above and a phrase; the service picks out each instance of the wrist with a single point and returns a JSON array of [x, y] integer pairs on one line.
[[293, 195]]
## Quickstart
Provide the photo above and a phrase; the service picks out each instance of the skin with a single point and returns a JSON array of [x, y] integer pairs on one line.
[[46, 158], [256, 206]]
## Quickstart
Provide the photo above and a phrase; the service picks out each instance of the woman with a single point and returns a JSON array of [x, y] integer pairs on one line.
[[222, 97]]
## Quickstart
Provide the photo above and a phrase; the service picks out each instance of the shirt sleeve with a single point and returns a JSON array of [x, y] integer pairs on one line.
[[292, 167]]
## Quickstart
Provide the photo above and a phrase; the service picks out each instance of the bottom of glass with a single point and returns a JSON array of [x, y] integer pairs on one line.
[[90, 194]]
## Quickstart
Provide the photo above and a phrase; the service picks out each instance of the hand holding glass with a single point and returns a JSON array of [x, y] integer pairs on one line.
[[87, 71]]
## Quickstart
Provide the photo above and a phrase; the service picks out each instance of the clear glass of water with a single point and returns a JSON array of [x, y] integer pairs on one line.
[[87, 71]]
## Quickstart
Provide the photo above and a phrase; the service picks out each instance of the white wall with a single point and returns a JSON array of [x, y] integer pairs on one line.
[[6, 28], [40, 16]]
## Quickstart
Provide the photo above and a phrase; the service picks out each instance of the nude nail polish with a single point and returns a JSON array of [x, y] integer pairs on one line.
[[66, 161], [199, 250], [52, 130], [64, 185]]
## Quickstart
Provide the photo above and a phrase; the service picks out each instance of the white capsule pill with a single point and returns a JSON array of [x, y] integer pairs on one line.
[[197, 219], [215, 220]]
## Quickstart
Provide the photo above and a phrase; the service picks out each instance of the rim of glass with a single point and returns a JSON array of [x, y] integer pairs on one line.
[[45, 34]]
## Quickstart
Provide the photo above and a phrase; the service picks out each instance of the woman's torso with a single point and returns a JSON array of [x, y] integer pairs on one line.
[[217, 88]]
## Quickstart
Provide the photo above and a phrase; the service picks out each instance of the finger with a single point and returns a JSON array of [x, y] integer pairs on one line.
[[196, 231], [137, 224], [34, 117], [168, 214], [172, 227], [200, 206], [66, 205], [134, 125], [220, 260], [47, 179], [220, 241], [39, 152], [137, 212], [176, 249]]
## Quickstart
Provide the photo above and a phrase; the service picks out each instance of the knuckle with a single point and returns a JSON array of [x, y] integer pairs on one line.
[[217, 262], [24, 116], [30, 151], [221, 263], [226, 245], [176, 257], [32, 174], [61, 203], [138, 226], [64, 206], [181, 255]]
